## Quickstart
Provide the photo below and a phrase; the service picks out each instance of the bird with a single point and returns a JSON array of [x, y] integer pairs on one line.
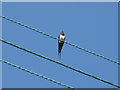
[[61, 39]]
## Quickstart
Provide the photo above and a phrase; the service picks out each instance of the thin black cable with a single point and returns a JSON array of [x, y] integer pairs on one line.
[[47, 58], [36, 30], [31, 72]]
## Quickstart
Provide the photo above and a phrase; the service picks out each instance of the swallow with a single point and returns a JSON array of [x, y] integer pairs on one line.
[[61, 39]]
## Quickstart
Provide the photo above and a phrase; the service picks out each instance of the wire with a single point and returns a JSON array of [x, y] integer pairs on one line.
[[36, 30], [47, 58], [31, 72]]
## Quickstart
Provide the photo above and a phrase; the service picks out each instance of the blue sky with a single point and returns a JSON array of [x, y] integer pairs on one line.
[[90, 25]]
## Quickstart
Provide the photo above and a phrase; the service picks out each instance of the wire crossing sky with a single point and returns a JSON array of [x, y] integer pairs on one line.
[[36, 30], [31, 72], [47, 58]]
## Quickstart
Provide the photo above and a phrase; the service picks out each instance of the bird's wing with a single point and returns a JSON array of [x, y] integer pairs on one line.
[[60, 45]]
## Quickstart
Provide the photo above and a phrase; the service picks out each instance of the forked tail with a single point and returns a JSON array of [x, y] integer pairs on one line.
[[59, 56]]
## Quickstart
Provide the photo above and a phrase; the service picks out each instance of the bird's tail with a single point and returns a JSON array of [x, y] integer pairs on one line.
[[59, 56]]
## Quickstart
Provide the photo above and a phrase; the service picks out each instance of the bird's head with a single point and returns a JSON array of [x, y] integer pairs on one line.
[[62, 33]]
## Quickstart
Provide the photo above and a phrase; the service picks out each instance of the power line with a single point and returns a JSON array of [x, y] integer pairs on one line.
[[47, 58], [36, 30], [31, 72]]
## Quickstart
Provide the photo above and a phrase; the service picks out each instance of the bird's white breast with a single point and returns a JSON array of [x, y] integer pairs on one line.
[[62, 37]]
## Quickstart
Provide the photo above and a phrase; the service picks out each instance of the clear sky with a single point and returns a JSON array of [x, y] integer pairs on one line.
[[90, 25]]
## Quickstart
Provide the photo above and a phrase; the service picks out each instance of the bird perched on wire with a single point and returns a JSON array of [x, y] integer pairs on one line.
[[61, 39]]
